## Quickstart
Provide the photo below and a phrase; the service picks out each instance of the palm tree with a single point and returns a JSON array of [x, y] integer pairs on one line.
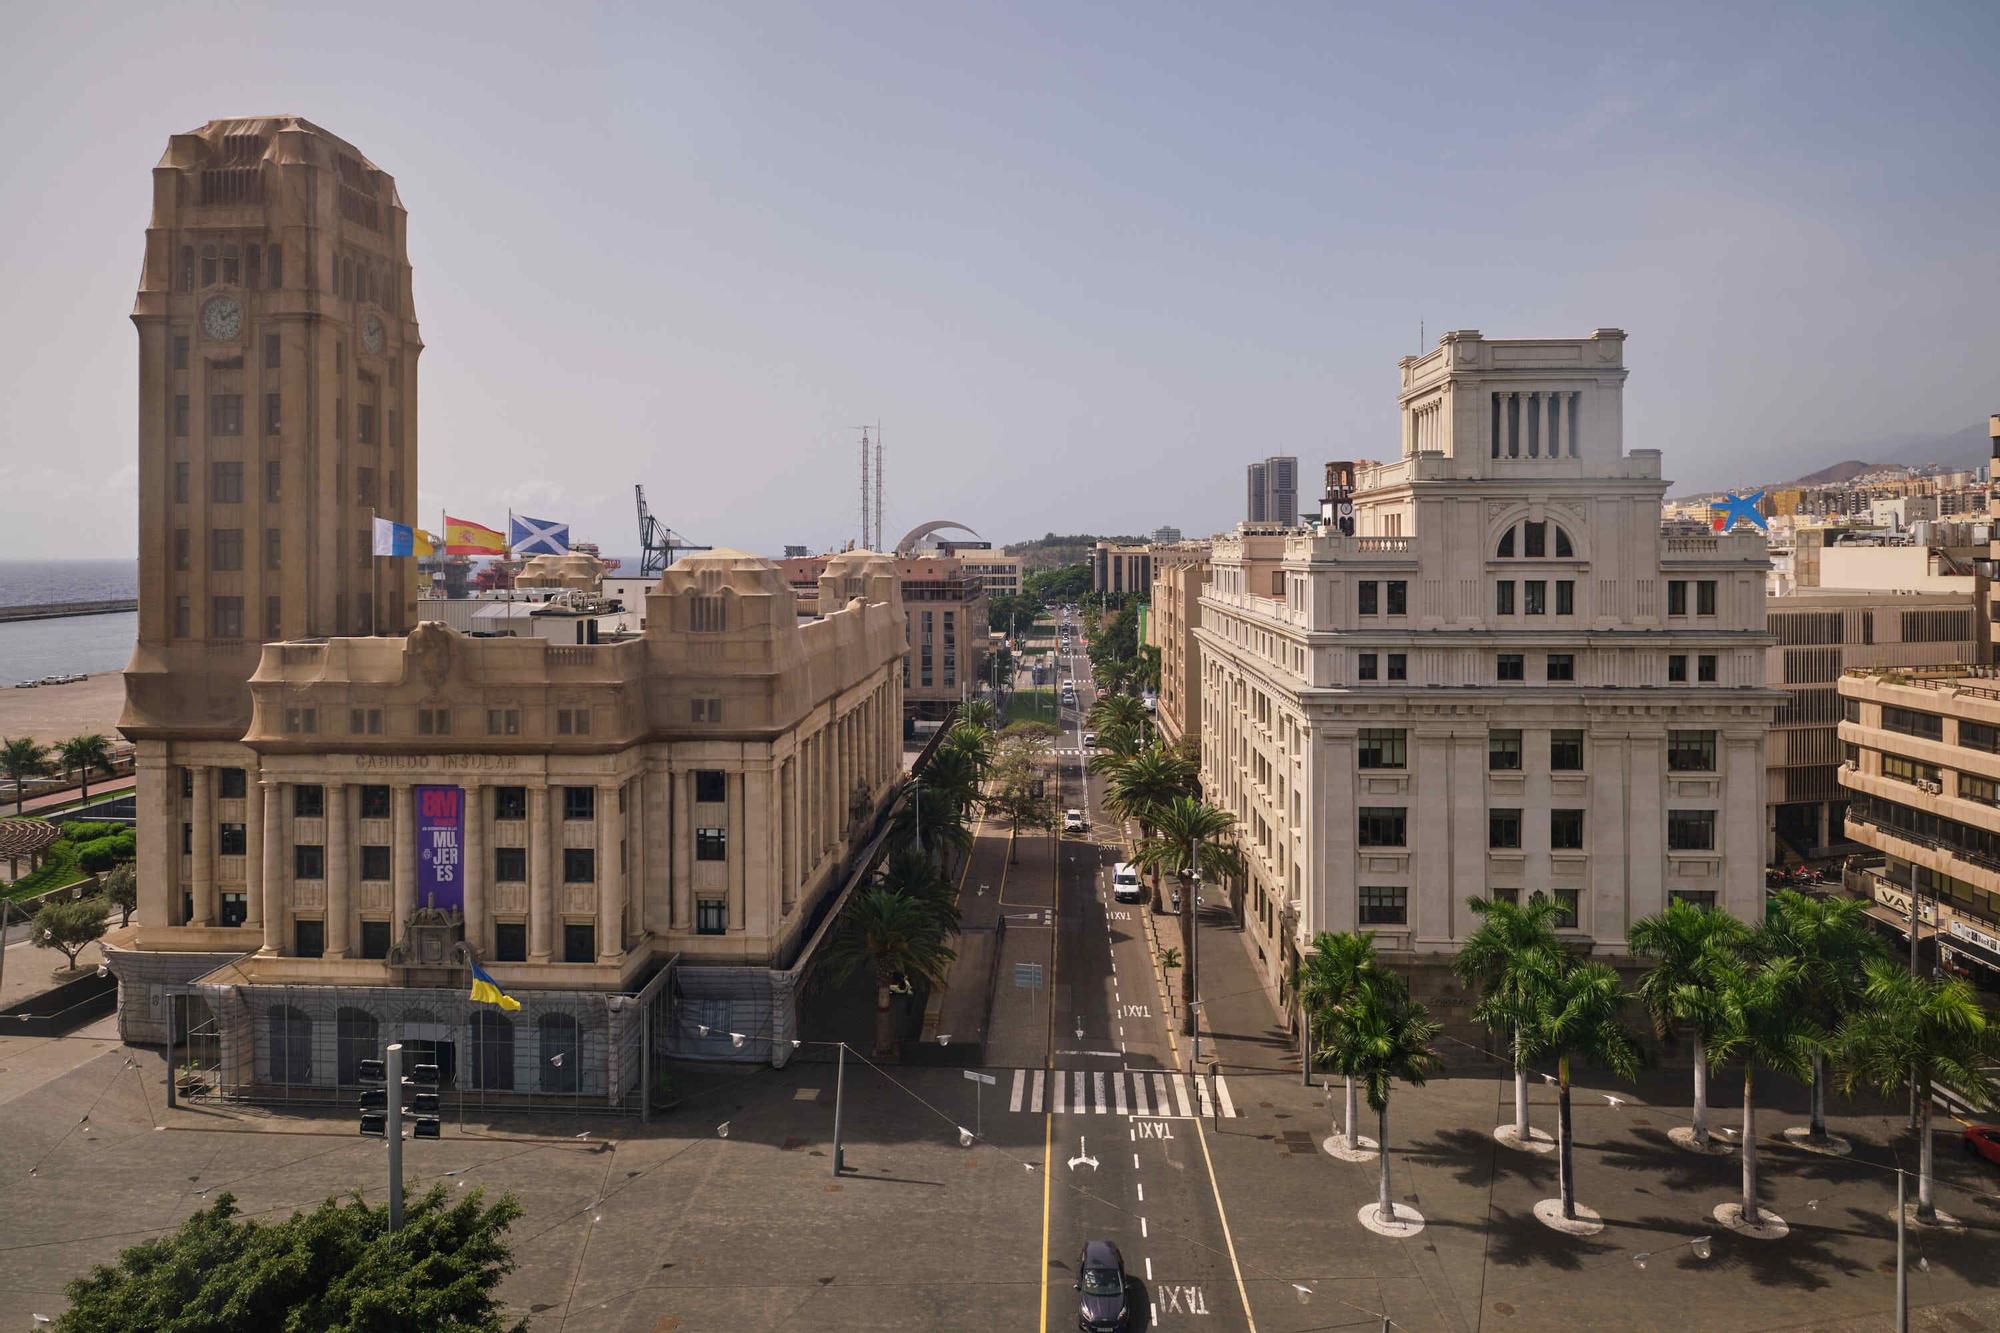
[[83, 753], [1385, 1037], [910, 872], [970, 745], [1330, 981], [1763, 1025], [895, 936], [1578, 1010], [1191, 835], [22, 759], [1692, 949], [977, 713], [1936, 1028], [1498, 959], [1117, 710], [1113, 674], [1141, 785], [1833, 943]]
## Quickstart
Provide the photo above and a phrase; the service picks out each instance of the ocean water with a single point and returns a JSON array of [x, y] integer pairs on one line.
[[30, 649]]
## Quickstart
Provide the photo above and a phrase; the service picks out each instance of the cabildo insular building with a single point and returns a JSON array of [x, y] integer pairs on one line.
[[339, 807], [1503, 678]]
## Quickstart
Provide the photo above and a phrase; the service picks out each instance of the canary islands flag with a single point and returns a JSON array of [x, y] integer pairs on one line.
[[466, 538], [485, 990]]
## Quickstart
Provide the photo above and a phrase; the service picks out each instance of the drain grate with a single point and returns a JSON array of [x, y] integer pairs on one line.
[[1296, 1141]]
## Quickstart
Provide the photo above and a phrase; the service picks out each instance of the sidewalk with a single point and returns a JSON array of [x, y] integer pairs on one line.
[[1242, 1028]]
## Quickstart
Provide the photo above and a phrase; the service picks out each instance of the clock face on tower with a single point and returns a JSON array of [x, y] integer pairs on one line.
[[222, 319], [371, 335]]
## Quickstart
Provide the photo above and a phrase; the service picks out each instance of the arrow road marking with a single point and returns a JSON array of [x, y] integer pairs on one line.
[[1082, 1157]]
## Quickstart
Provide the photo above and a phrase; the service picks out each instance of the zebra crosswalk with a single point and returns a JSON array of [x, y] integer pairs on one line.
[[1151, 1093]]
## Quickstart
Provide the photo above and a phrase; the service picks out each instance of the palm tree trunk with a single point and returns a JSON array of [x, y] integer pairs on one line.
[[1700, 1093], [1385, 1212], [1520, 1092], [885, 1030], [1013, 832], [1353, 1113], [1926, 1207], [1188, 928], [1565, 1164], [1749, 1149], [1816, 1125]]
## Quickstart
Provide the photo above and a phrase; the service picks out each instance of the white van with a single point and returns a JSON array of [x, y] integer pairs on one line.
[[1125, 885]]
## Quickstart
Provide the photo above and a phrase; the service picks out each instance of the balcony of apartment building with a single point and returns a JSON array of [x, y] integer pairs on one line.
[[1963, 922], [1680, 550]]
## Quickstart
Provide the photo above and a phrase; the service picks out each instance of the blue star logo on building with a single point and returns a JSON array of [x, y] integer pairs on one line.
[[1739, 509]]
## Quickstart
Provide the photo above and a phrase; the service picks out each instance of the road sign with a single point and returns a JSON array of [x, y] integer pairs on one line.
[[1028, 976], [978, 1077]]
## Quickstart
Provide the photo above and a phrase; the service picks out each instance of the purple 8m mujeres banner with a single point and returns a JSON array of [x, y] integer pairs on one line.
[[441, 848]]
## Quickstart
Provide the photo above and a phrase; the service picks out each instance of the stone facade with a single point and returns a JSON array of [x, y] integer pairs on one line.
[[1179, 571], [944, 610], [1121, 569], [1508, 681]]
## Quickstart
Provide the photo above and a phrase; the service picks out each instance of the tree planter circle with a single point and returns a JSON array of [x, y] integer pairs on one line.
[[1408, 1220], [1682, 1137], [1538, 1140], [1832, 1145], [1768, 1226], [1362, 1150], [1587, 1222]]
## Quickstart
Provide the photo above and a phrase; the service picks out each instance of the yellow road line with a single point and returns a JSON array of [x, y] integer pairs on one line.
[[1049, 1061], [1216, 1191], [1048, 1142]]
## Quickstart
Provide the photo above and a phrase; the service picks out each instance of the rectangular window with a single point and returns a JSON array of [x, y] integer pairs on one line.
[[579, 865], [225, 549], [1566, 830], [274, 413], [1381, 826], [180, 416], [374, 939], [503, 721], [1511, 666], [1704, 597], [272, 351], [1368, 590], [274, 549], [579, 802], [1562, 666], [1503, 751], [226, 483], [1677, 597], [1565, 751], [1567, 902], [275, 270], [1691, 751], [710, 785], [711, 844], [1399, 666], [1503, 830], [579, 942], [273, 619], [711, 916], [182, 629], [230, 840], [273, 481], [231, 783], [1704, 668], [1677, 668], [180, 351], [225, 414], [1535, 597], [374, 801], [710, 710], [1909, 770], [1383, 747], [1912, 723], [572, 721], [510, 941], [707, 615], [225, 617], [1983, 790], [180, 483], [433, 722], [510, 865], [374, 861], [302, 721], [308, 801], [1565, 597], [308, 937], [309, 861], [1369, 667], [1503, 598], [1398, 597], [1690, 830], [182, 549], [1972, 735], [510, 802], [1384, 905], [1535, 540], [1704, 898]]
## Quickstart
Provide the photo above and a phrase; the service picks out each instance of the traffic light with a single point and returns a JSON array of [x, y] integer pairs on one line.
[[374, 1100], [375, 1122], [422, 1101]]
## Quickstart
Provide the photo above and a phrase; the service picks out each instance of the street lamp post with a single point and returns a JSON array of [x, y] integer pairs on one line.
[[839, 1086], [1902, 1267]]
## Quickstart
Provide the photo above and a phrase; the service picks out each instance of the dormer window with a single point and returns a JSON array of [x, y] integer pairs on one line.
[[1533, 541]]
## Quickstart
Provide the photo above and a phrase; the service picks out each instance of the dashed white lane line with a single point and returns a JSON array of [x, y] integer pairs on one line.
[[1149, 1268], [1142, 1228], [1142, 1191], [1135, 1161], [1020, 1087]]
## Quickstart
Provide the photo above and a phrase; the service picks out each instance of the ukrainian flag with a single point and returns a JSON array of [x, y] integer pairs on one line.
[[485, 990]]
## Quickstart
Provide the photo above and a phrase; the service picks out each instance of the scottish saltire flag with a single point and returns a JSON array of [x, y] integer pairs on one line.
[[537, 536], [485, 990], [394, 538]]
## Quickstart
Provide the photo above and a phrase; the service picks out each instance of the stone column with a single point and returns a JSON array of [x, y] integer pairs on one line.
[[273, 884], [541, 893], [680, 854], [403, 855], [636, 825], [473, 868], [754, 863], [204, 846], [610, 879], [1569, 416], [1555, 427], [1510, 422], [788, 836], [158, 798], [656, 819], [253, 859], [339, 879]]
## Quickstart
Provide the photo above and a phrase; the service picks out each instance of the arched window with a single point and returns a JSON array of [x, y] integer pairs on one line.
[[187, 268], [492, 1050], [1535, 540], [291, 1045], [208, 266], [357, 1037], [232, 273], [559, 1054]]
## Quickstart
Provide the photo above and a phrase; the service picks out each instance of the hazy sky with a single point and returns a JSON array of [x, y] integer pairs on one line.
[[1083, 261]]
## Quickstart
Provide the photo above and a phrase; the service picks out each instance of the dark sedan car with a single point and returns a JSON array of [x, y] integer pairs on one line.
[[1100, 1277]]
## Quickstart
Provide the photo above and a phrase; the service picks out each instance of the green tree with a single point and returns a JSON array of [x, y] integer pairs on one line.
[[80, 754], [1331, 979], [1692, 950], [1833, 943], [910, 872], [1499, 958], [1764, 1025], [1142, 784], [894, 936], [1116, 710], [23, 759], [69, 925], [1011, 613], [1191, 836], [1385, 1038], [1577, 1010], [977, 713], [1937, 1029], [337, 1267], [121, 890]]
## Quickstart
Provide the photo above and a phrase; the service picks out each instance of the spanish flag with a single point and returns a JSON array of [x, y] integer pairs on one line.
[[465, 538], [485, 990]]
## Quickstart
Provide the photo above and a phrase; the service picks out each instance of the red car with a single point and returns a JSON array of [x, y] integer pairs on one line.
[[1983, 1141]]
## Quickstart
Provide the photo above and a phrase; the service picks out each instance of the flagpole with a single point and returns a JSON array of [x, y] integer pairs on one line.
[[374, 572]]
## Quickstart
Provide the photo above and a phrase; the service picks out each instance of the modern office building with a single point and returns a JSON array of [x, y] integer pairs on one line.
[[1274, 491], [1179, 571], [1508, 681], [1166, 535], [1121, 569]]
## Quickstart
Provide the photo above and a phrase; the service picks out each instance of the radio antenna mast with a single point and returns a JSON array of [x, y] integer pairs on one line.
[[878, 487]]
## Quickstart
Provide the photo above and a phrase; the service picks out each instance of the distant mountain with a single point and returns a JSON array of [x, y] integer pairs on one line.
[[1967, 448], [1839, 472]]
